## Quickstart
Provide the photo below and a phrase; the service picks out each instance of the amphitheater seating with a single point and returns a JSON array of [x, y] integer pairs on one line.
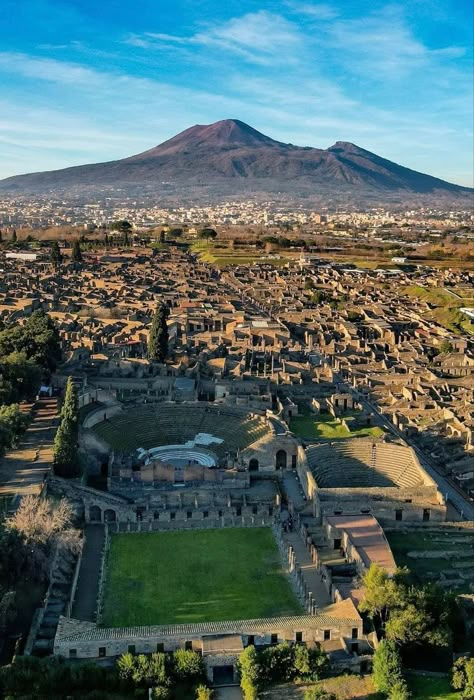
[[186, 454], [153, 425], [358, 463]]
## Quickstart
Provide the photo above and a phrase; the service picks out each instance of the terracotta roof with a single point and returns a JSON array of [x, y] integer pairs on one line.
[[343, 613]]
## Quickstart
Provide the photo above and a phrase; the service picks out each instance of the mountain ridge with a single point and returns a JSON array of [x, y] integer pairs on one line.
[[231, 150]]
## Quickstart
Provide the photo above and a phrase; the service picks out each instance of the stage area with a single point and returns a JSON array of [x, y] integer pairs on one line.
[[179, 455], [204, 575]]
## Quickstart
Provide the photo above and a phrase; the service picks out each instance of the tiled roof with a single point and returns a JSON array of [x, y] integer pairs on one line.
[[344, 613]]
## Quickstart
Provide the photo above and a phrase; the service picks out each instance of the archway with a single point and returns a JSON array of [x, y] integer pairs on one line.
[[95, 514], [110, 516], [253, 465], [280, 459]]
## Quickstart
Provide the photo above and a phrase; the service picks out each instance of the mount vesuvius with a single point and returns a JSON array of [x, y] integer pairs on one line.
[[232, 151]]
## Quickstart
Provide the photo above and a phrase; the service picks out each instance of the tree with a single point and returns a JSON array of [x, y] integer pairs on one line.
[[56, 256], [250, 673], [382, 593], [123, 226], [446, 347], [38, 339], [20, 378], [207, 233], [387, 667], [159, 337], [14, 236], [65, 454], [13, 423], [203, 693], [399, 691], [463, 676], [76, 255], [41, 522], [187, 665], [162, 238], [424, 616]]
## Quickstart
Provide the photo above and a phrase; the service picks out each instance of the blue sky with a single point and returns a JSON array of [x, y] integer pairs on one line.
[[85, 80]]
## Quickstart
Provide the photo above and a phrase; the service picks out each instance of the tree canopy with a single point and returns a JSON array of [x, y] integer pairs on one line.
[[37, 339], [159, 337], [66, 458], [76, 255]]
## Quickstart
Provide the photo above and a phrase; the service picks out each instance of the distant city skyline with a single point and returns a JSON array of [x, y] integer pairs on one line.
[[84, 82]]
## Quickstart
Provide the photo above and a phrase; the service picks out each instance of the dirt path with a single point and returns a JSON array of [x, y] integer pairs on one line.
[[22, 470]]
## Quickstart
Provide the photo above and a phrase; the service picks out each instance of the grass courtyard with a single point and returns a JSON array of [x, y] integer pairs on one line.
[[451, 551], [195, 576], [324, 427]]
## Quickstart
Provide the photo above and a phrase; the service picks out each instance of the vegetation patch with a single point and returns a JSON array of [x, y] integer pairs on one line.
[[205, 575], [450, 555], [426, 688], [325, 427]]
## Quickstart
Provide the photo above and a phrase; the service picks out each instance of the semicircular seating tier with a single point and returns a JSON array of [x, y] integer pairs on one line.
[[152, 425], [358, 463]]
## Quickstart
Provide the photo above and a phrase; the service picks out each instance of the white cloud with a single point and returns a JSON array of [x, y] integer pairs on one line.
[[258, 37], [381, 45]]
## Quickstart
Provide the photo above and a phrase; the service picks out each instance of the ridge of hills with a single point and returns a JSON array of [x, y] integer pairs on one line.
[[235, 154]]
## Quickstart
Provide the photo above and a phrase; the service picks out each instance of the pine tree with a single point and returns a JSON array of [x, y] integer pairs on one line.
[[387, 667], [158, 339], [14, 236], [76, 252], [106, 241], [66, 460], [56, 257]]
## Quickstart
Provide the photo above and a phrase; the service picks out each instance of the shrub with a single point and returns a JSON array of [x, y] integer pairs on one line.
[[188, 666], [463, 676], [203, 693], [318, 693]]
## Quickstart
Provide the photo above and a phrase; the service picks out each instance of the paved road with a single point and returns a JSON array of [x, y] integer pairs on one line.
[[22, 470], [85, 602]]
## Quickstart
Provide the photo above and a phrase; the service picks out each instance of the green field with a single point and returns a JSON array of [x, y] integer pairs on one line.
[[445, 309], [455, 542], [424, 688], [195, 576], [222, 255], [324, 427]]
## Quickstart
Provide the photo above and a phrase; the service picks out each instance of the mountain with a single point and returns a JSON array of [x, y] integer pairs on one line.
[[232, 152]]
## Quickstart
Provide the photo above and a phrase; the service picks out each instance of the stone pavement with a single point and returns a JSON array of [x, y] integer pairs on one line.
[[229, 693], [22, 470], [309, 570], [85, 601]]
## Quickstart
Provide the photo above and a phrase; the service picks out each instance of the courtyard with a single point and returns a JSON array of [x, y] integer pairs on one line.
[[206, 575], [324, 427]]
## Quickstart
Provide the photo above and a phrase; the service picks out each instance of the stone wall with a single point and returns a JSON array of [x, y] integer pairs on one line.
[[88, 641], [382, 503]]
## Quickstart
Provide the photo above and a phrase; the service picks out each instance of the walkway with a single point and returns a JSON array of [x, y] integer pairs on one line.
[[22, 470], [229, 693], [293, 490], [85, 602], [309, 570]]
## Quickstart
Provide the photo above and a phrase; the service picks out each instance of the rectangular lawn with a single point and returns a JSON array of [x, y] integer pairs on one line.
[[195, 576]]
